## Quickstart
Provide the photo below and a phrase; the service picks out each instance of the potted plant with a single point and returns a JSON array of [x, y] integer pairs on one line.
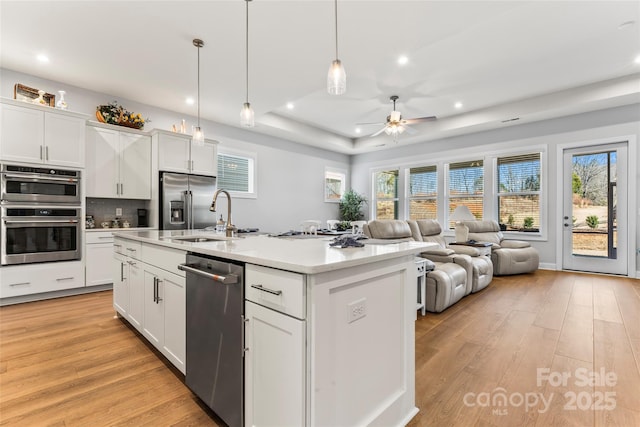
[[350, 208]]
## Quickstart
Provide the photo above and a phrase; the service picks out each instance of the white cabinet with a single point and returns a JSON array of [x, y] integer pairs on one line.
[[120, 273], [27, 279], [177, 153], [127, 281], [164, 313], [274, 368], [98, 247], [118, 164], [32, 134]]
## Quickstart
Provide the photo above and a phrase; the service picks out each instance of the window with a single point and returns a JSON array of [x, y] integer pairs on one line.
[[423, 192], [334, 185], [385, 184], [519, 192], [236, 174], [466, 187]]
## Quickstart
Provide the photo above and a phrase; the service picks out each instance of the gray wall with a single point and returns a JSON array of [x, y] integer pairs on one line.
[[605, 124], [290, 175]]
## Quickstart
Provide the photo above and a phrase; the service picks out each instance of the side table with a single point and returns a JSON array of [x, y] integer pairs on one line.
[[484, 249], [421, 270]]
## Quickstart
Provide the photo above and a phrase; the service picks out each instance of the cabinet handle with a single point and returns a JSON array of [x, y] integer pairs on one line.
[[64, 278], [46, 152], [263, 289], [116, 245], [41, 158], [155, 290], [121, 189], [131, 262], [20, 284], [121, 271], [158, 299]]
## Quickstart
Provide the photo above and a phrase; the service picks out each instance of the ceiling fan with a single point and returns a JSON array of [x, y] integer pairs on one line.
[[395, 124]]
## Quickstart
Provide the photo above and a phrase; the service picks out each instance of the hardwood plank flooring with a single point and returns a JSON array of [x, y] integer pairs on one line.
[[70, 362]]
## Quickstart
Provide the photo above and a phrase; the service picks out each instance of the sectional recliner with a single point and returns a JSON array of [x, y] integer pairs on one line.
[[508, 256]]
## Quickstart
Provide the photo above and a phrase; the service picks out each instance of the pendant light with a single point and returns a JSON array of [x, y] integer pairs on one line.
[[198, 135], [247, 117], [337, 78]]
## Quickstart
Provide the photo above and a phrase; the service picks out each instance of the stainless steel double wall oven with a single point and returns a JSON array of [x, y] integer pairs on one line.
[[40, 213]]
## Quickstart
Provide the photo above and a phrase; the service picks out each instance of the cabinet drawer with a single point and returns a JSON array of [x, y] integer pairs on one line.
[[166, 258], [126, 247], [98, 237], [282, 291], [37, 278]]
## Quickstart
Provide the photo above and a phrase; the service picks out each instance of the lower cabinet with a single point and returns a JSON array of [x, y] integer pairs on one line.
[[98, 247], [28, 279], [120, 274], [274, 368]]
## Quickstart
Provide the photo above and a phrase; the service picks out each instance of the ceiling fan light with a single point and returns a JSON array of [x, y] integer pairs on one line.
[[388, 130], [400, 129], [395, 116], [247, 117], [337, 78]]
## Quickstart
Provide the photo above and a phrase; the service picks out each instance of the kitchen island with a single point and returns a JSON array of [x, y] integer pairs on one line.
[[328, 332]]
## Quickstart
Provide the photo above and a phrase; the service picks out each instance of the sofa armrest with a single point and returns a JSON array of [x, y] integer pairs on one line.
[[465, 250], [439, 252], [514, 244]]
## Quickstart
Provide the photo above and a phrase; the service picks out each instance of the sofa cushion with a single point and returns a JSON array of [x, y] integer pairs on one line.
[[388, 229], [514, 244]]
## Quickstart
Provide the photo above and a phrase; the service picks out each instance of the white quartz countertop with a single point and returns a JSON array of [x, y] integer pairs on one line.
[[301, 254]]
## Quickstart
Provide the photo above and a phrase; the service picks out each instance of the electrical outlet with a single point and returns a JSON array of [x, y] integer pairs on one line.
[[118, 211], [356, 310]]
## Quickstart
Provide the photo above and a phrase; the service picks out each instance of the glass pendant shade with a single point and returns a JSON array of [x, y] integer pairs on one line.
[[337, 78], [198, 136], [247, 117]]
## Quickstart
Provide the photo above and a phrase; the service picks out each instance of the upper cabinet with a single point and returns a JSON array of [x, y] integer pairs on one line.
[[118, 163], [177, 153], [41, 135]]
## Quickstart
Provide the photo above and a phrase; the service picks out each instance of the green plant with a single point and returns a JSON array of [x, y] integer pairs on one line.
[[343, 226], [592, 221], [528, 222], [511, 219], [351, 206]]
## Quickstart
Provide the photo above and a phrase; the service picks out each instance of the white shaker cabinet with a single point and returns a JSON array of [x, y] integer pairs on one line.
[[118, 164], [178, 153], [274, 368], [98, 247], [41, 135], [127, 281]]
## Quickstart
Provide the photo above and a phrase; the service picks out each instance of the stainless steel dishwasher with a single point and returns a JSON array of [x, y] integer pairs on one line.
[[215, 308]]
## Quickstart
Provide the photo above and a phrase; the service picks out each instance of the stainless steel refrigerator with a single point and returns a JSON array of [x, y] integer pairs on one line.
[[185, 200]]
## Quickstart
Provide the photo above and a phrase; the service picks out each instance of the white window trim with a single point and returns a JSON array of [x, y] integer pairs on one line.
[[400, 198], [253, 173]]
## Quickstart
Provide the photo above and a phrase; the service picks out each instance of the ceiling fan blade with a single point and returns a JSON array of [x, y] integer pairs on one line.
[[378, 133], [409, 130], [419, 120], [363, 124]]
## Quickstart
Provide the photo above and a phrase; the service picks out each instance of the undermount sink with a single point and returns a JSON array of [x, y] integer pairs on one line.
[[198, 239]]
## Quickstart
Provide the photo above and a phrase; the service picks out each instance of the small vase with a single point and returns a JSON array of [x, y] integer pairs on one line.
[[61, 104]]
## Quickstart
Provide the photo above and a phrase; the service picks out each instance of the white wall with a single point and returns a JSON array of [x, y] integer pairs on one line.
[[608, 124], [290, 175]]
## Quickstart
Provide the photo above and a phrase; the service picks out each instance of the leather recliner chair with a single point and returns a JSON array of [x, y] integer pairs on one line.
[[479, 268], [445, 285], [508, 256]]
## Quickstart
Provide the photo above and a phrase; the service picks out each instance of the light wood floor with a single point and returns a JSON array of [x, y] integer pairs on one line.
[[69, 362]]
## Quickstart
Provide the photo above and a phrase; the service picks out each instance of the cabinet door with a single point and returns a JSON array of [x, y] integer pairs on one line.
[[174, 346], [64, 140], [98, 272], [21, 134], [153, 324], [136, 294], [204, 159], [102, 152], [120, 286], [135, 166], [274, 368], [173, 153]]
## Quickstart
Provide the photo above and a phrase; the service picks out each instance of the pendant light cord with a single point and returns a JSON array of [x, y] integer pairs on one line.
[[335, 9], [198, 85], [247, 48]]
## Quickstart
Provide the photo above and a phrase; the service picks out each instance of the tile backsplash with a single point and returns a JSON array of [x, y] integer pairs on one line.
[[105, 210]]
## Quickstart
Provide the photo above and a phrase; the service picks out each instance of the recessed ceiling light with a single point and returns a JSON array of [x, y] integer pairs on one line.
[[403, 60], [358, 130], [637, 60], [458, 105], [43, 58], [290, 105], [190, 101]]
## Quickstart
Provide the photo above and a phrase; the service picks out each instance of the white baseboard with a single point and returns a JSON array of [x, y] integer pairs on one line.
[[547, 266]]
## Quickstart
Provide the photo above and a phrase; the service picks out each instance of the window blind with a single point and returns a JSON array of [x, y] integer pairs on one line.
[[423, 181], [233, 173], [519, 173], [466, 178]]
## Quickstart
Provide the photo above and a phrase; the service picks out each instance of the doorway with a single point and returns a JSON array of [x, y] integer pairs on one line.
[[595, 209]]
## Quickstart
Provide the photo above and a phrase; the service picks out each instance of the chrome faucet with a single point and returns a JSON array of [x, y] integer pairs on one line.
[[229, 226]]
